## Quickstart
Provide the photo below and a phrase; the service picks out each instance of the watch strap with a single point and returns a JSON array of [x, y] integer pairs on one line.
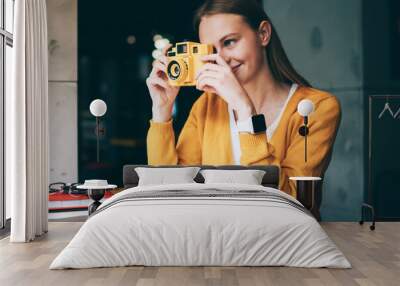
[[258, 123], [254, 124]]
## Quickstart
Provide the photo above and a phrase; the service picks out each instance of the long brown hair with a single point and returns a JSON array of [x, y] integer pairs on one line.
[[253, 13]]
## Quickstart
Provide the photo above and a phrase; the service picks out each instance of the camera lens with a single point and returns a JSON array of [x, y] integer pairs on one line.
[[176, 69], [173, 70]]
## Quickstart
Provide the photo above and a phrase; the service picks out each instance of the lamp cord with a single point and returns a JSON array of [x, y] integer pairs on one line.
[[97, 135], [305, 137]]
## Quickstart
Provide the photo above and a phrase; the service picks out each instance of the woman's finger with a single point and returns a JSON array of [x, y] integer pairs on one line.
[[207, 88], [158, 66], [153, 80], [209, 73], [205, 77], [163, 59], [206, 82], [215, 58], [208, 67], [160, 70], [165, 49], [158, 63]]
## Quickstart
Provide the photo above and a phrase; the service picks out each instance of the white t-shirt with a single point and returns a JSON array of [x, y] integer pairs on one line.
[[270, 129]]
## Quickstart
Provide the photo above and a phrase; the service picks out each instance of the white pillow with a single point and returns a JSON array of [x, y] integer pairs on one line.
[[248, 177], [163, 176]]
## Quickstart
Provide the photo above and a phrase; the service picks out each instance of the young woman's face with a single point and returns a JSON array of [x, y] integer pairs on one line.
[[236, 42]]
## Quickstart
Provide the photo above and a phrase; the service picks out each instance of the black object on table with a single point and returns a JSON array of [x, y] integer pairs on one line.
[[305, 193], [96, 195], [308, 192], [95, 190]]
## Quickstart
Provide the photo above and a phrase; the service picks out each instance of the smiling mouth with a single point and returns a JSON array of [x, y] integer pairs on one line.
[[235, 68]]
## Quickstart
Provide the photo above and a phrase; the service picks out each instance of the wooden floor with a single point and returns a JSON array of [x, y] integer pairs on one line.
[[375, 256]]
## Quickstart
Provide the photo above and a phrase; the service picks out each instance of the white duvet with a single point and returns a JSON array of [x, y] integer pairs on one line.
[[200, 231]]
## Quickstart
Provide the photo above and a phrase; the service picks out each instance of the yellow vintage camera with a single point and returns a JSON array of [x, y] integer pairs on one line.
[[184, 61]]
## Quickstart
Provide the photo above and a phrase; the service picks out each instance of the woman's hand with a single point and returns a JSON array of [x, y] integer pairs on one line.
[[162, 94], [218, 78]]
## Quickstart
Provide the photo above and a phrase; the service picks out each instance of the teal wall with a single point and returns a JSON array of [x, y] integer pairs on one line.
[[323, 40]]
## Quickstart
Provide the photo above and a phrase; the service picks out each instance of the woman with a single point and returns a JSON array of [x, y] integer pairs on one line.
[[249, 77]]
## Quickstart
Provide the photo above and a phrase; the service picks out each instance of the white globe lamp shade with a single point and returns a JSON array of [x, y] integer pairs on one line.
[[305, 107], [98, 107]]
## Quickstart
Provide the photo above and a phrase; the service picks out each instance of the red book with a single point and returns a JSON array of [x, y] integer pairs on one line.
[[60, 201]]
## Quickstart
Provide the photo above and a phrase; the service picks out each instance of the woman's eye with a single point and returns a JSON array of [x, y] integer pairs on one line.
[[229, 42]]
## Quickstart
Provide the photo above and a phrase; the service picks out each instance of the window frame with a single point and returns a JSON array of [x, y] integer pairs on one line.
[[6, 39]]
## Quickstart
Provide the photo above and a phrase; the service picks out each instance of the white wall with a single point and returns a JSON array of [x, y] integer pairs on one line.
[[63, 49]]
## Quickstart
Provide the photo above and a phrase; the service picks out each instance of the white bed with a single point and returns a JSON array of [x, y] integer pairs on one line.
[[183, 230]]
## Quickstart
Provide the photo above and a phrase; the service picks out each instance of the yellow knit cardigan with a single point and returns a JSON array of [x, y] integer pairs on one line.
[[206, 138]]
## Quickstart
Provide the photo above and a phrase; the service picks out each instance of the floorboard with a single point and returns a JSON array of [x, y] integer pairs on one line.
[[374, 255]]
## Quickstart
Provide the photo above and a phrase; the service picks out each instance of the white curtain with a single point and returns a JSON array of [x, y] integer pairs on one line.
[[27, 142]]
